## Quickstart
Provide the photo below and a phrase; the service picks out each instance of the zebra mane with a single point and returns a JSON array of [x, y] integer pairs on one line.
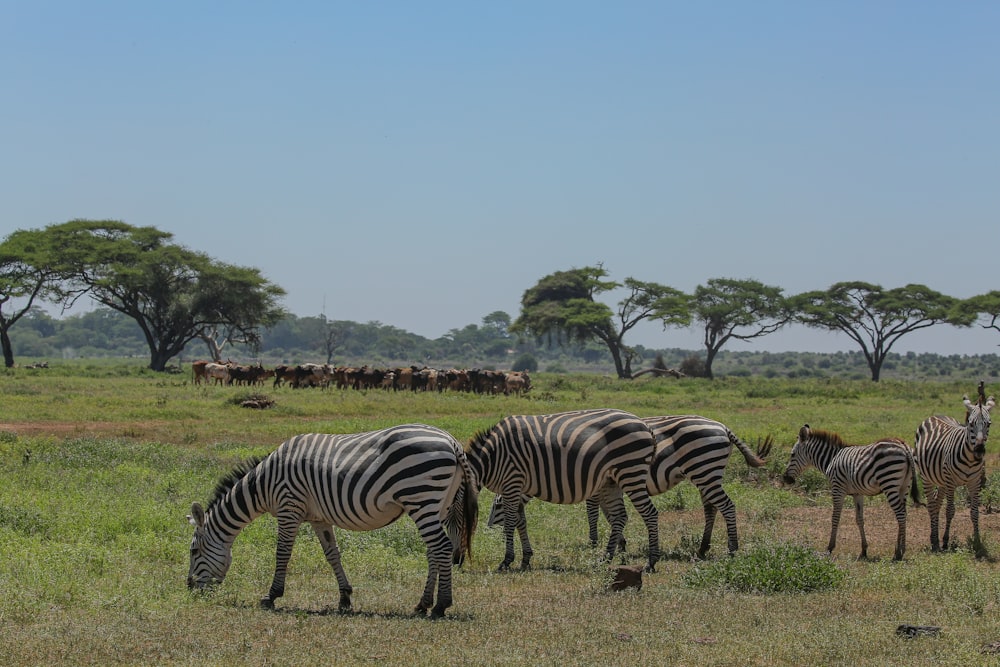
[[229, 480], [828, 437], [480, 437]]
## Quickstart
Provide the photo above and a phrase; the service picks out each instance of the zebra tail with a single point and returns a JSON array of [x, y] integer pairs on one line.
[[470, 505], [915, 492], [753, 460]]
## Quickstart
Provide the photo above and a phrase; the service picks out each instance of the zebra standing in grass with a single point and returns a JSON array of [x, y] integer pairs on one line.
[[886, 466], [565, 458], [688, 447], [950, 455], [694, 448], [359, 481]]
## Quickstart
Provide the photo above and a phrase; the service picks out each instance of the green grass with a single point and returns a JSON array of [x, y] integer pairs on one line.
[[99, 466]]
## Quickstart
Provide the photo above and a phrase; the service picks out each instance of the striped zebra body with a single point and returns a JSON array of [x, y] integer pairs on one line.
[[950, 455], [359, 481], [886, 466], [697, 449], [565, 458]]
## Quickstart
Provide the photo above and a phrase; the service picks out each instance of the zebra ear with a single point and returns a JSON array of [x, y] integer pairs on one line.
[[990, 402], [967, 402], [804, 432], [197, 516]]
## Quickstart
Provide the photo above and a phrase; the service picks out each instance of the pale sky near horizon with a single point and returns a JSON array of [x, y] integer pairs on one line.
[[423, 164]]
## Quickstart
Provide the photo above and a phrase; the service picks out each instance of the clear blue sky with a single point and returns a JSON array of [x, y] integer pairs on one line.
[[423, 163]]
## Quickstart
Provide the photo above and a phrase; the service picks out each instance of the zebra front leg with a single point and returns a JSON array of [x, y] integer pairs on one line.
[[593, 511], [949, 514], [859, 518], [973, 498], [328, 540], [642, 503], [288, 529], [934, 512]]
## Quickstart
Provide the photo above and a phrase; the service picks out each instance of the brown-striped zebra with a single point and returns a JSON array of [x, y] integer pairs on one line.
[[359, 481]]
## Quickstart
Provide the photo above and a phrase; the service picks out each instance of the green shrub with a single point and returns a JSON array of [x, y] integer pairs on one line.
[[769, 568]]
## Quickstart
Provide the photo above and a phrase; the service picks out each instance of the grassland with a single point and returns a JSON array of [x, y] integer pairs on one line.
[[100, 464]]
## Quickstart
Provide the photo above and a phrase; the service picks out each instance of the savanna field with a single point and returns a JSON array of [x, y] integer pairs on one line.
[[100, 463]]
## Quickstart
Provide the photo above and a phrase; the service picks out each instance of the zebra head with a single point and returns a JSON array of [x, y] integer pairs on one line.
[[977, 422], [800, 458], [210, 559]]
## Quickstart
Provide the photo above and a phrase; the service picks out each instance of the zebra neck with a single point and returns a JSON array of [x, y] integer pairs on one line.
[[231, 514], [475, 458]]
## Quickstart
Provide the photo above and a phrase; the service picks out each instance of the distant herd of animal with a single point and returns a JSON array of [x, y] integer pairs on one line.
[[411, 378], [364, 481]]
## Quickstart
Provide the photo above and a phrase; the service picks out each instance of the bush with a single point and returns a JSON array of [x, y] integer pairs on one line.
[[693, 367], [525, 362], [769, 568]]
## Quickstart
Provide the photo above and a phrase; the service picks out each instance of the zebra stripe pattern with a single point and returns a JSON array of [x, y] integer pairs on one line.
[[697, 449], [359, 482], [565, 458], [886, 466], [950, 455]]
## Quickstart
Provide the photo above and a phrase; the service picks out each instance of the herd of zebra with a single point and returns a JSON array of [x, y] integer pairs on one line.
[[365, 481]]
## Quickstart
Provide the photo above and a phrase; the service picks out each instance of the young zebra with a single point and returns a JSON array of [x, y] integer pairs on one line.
[[950, 455], [886, 466], [359, 481], [688, 447], [565, 458]]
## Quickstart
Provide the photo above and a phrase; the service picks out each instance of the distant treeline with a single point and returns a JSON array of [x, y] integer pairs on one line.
[[105, 333]]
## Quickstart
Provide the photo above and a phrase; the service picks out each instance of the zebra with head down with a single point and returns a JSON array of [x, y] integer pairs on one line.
[[360, 481]]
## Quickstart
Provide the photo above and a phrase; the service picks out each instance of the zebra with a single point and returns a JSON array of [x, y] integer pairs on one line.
[[688, 447], [565, 458], [886, 466], [360, 481], [950, 455]]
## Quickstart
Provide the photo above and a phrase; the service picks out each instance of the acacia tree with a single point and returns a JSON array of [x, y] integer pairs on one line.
[[740, 309], [30, 269], [174, 294], [985, 308], [562, 308], [876, 318]]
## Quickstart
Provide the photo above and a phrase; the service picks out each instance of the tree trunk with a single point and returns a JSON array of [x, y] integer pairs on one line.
[[8, 351], [709, 358]]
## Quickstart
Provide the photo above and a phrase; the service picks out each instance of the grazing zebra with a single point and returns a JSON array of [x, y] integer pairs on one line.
[[687, 447], [886, 466], [950, 455], [359, 481], [565, 458]]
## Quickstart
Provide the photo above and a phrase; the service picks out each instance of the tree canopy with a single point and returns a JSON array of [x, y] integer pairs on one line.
[[875, 318], [174, 294], [740, 309], [562, 307]]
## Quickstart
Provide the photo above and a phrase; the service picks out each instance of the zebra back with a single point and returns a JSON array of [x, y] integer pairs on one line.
[[563, 457]]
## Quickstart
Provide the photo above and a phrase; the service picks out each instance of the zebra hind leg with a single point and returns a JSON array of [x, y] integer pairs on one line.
[[706, 536], [859, 518], [439, 571]]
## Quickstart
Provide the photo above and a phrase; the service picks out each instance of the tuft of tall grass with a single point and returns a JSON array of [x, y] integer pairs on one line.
[[766, 568]]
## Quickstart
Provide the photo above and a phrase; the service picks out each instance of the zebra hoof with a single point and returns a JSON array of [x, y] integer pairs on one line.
[[267, 603], [437, 613]]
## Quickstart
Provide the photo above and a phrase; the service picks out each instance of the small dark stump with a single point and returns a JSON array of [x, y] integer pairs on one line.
[[911, 631], [627, 576]]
